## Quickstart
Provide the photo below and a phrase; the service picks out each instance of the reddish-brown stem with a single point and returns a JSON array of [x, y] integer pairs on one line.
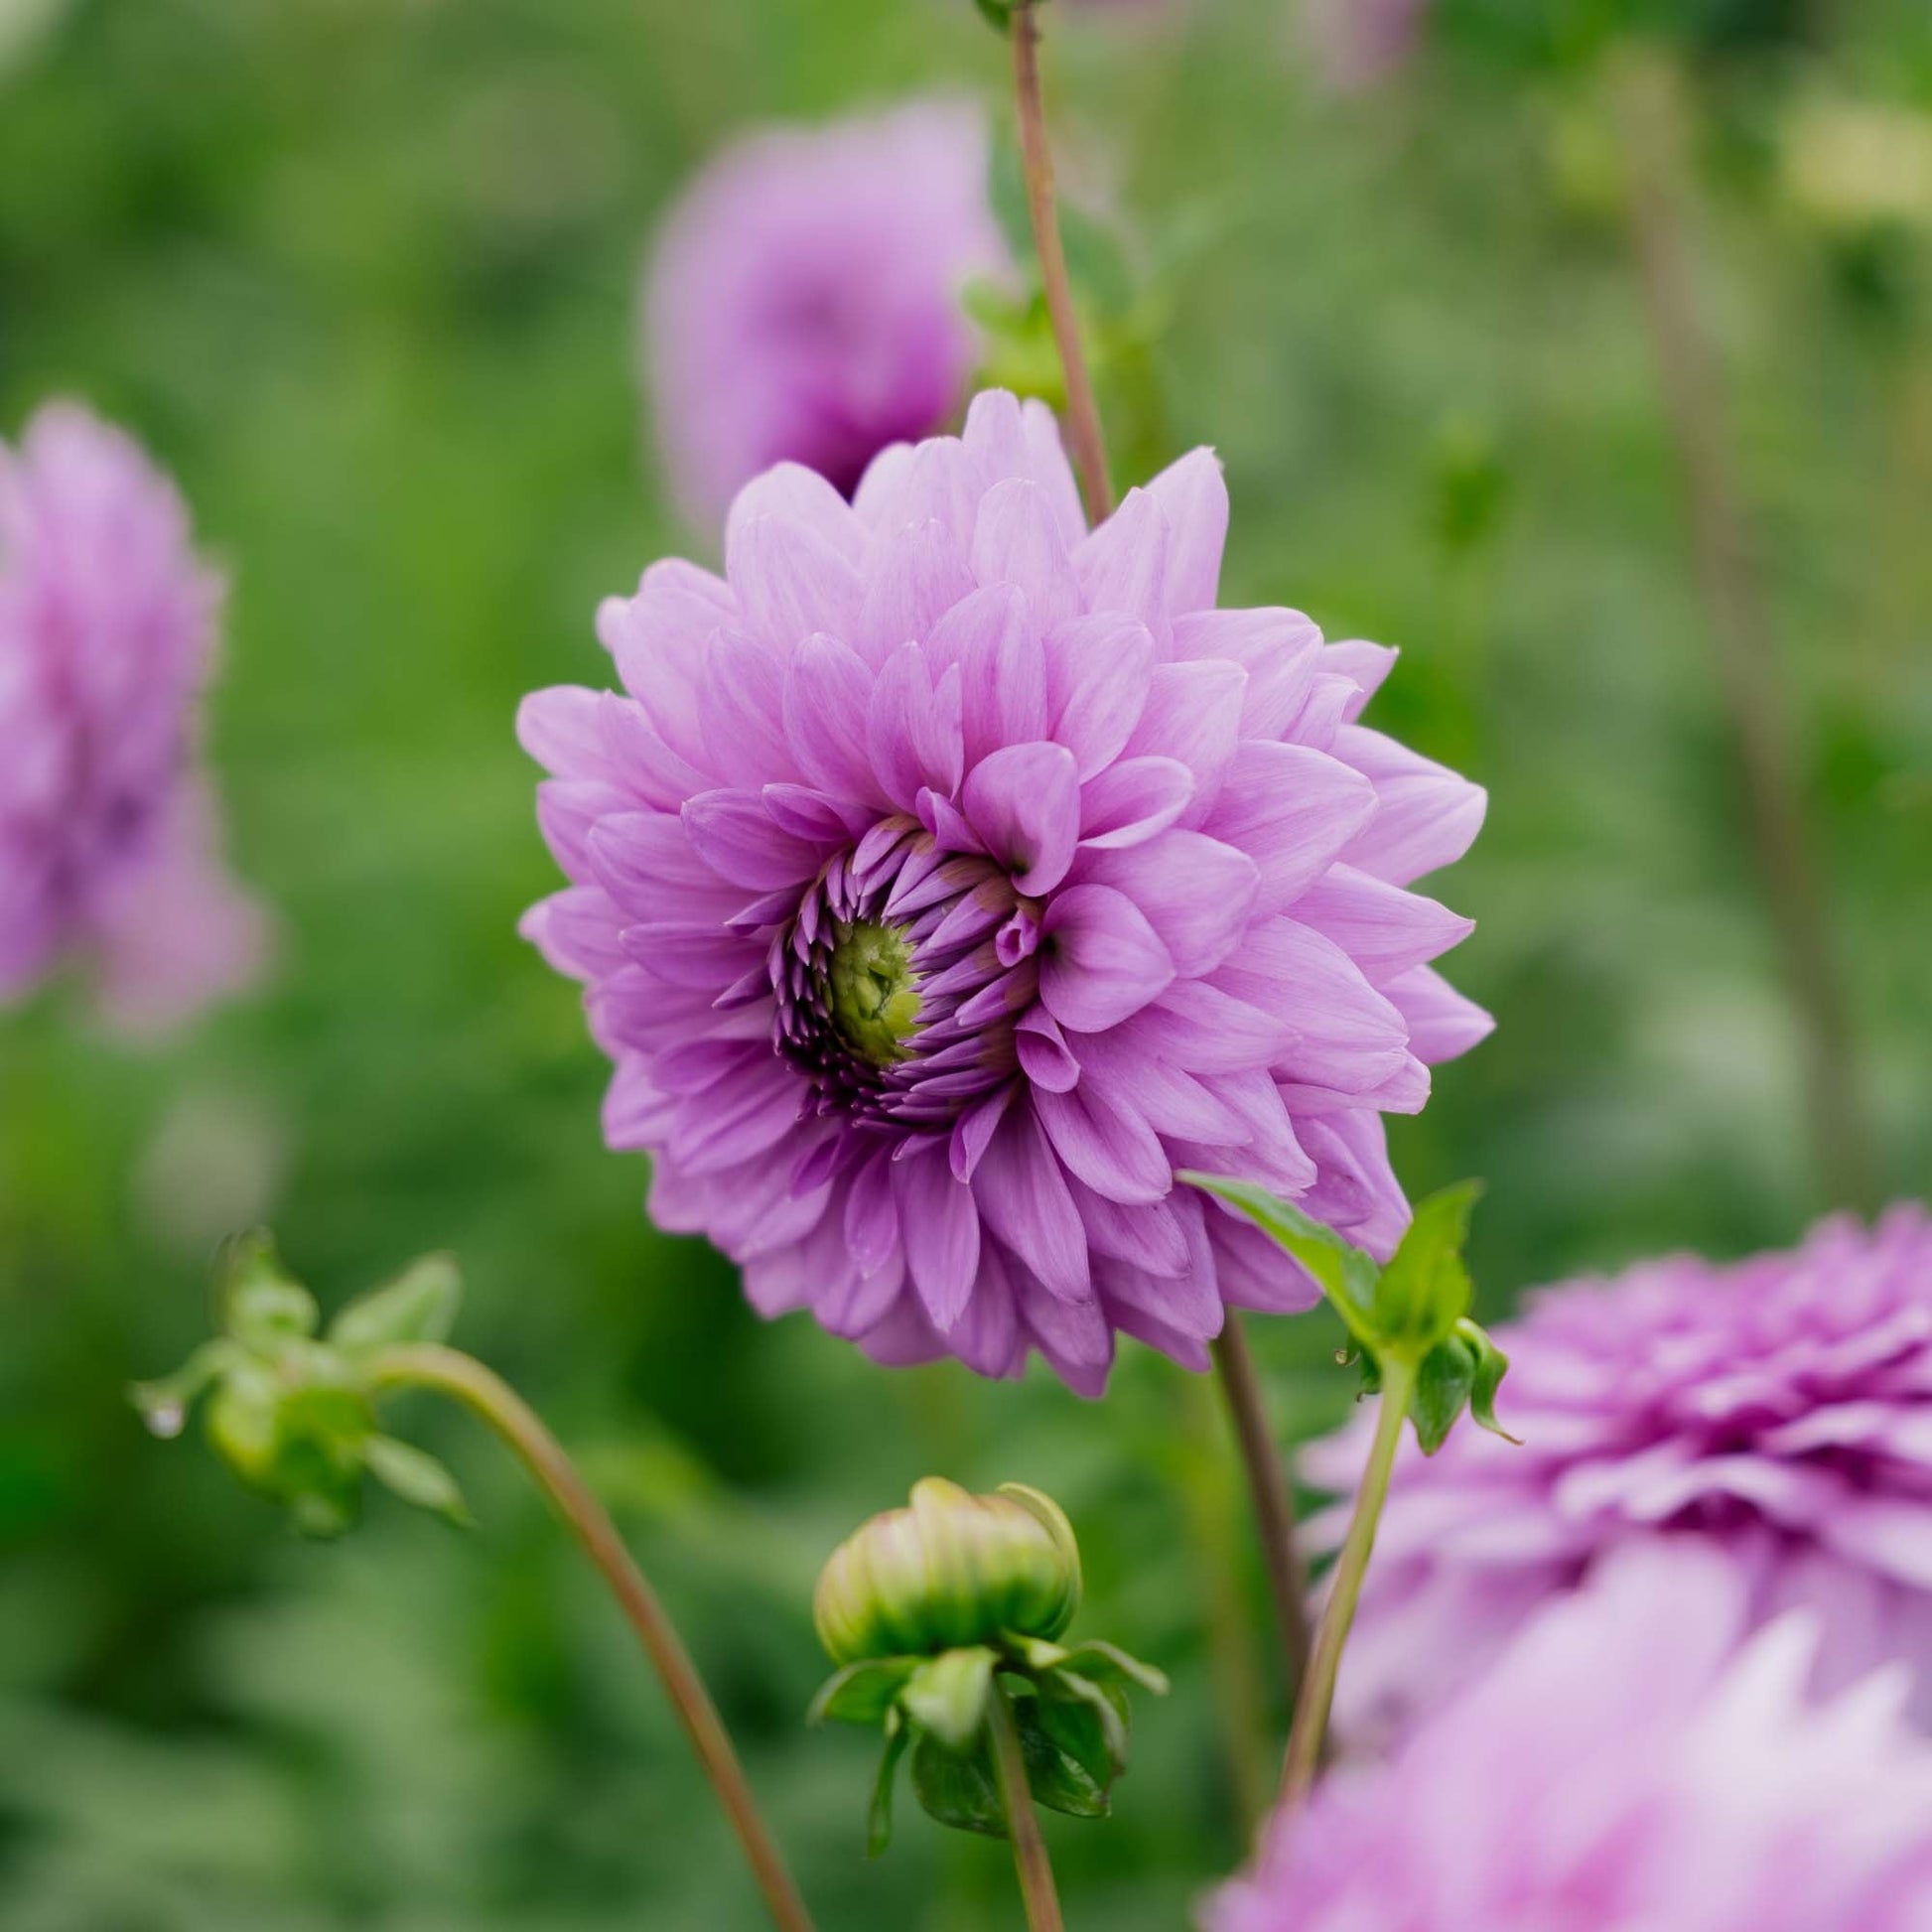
[[1083, 430]]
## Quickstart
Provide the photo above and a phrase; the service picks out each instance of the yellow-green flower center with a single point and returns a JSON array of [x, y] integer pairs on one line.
[[874, 991]]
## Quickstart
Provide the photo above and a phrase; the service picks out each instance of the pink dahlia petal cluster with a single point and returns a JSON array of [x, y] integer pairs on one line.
[[107, 621], [1627, 1767], [802, 304], [1780, 1407], [949, 874]]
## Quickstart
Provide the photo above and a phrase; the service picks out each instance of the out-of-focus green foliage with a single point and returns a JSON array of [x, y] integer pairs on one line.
[[362, 272]]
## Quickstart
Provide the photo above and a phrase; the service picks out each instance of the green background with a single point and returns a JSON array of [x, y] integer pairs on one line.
[[362, 273]]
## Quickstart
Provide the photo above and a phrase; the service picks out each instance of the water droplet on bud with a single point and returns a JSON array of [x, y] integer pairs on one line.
[[164, 1419]]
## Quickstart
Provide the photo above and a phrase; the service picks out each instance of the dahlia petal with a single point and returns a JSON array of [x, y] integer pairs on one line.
[[1009, 438], [1017, 540], [903, 1337], [750, 1111], [942, 485], [567, 808], [1073, 1335], [991, 640], [1096, 686], [658, 638], [1107, 1144], [1192, 495], [1023, 1197], [1349, 1036], [1047, 465], [1442, 1024], [852, 1303], [1105, 961], [1892, 1535], [1332, 701], [1365, 665], [1383, 928], [1196, 892], [1124, 1062], [943, 1235], [1177, 1345], [915, 736], [972, 1134], [1292, 810], [1188, 1302], [828, 693], [1273, 1153], [1256, 1273], [805, 498], [1149, 1237], [1044, 1057], [790, 581], [701, 956], [808, 815], [578, 931], [1193, 714], [881, 500], [920, 574], [1024, 802], [560, 728], [742, 692], [734, 834], [653, 773], [1356, 1190], [1133, 802], [1198, 1026], [1425, 815], [1280, 650], [1123, 564], [987, 1335], [871, 1218]]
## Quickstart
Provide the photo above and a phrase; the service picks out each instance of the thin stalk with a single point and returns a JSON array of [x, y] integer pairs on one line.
[[1029, 1858], [1083, 411], [1311, 1727], [489, 1398], [1648, 108], [1274, 1507]]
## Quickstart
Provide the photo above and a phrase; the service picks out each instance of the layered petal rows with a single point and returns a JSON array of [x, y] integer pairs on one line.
[[107, 842], [1779, 1409], [949, 874]]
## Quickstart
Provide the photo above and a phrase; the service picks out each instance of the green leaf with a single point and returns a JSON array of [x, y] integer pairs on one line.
[[1088, 1720], [946, 1694], [419, 1305], [1444, 1380], [862, 1693], [996, 13], [1344, 1274], [1103, 1661], [957, 1788], [1058, 1774], [878, 1815], [164, 1404], [418, 1478], [1424, 1290], [1491, 1365]]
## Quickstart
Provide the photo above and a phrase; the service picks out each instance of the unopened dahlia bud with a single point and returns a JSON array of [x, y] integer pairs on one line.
[[952, 1569]]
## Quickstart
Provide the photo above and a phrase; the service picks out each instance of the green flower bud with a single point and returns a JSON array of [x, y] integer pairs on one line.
[[952, 1570]]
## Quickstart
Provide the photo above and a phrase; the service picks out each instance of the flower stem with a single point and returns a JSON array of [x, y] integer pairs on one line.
[[1083, 411], [1649, 111], [488, 1396], [1029, 1858], [1274, 1508], [1311, 1727]]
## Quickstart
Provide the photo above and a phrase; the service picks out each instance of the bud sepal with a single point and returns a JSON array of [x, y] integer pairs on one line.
[[966, 1596]]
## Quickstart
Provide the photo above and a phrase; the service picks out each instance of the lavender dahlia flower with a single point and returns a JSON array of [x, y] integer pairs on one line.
[[1625, 1766], [803, 301], [950, 876], [1780, 1407], [107, 846]]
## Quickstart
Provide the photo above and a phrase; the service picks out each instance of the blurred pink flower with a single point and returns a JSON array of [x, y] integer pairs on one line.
[[951, 875], [1780, 1407], [107, 619], [1359, 44], [1625, 1767], [803, 301]]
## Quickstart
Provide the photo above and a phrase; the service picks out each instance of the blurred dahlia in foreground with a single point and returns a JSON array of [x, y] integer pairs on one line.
[[1779, 1408], [107, 845], [950, 876], [803, 303], [1627, 1767]]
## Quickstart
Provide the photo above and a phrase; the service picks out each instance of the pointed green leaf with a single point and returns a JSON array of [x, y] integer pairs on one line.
[[862, 1693], [419, 1304], [957, 1787], [418, 1478], [1102, 1661], [1444, 1380], [1059, 1777], [878, 1815], [1424, 1290], [1088, 1720], [257, 1301], [1344, 1274], [946, 1694], [1491, 1365]]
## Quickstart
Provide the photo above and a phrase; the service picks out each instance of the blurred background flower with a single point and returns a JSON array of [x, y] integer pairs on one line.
[[1625, 1765], [1778, 1410], [107, 841], [803, 298]]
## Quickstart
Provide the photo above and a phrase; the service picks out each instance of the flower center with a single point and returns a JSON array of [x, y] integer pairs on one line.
[[875, 993]]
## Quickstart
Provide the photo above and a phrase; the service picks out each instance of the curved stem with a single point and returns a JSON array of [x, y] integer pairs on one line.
[[1274, 1507], [1083, 411], [1029, 1858], [1311, 1727], [1649, 117], [489, 1398]]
